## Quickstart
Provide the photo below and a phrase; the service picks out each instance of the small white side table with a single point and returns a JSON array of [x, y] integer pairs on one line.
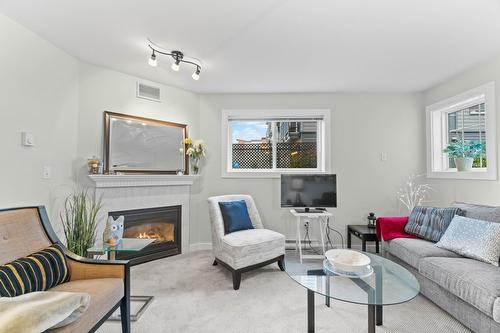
[[321, 219]]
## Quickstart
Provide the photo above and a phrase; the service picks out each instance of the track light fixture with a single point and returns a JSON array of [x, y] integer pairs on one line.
[[177, 57], [196, 74], [152, 60]]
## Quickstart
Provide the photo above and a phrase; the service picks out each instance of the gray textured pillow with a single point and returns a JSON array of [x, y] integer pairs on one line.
[[473, 238], [430, 222]]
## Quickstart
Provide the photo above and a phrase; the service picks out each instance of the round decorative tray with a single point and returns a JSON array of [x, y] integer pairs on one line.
[[347, 260], [365, 272]]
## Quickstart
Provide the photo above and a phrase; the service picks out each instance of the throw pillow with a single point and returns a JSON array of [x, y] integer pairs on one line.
[[430, 223], [39, 271], [473, 238], [235, 216]]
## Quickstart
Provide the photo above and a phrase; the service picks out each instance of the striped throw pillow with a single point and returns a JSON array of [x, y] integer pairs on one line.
[[430, 223], [37, 272]]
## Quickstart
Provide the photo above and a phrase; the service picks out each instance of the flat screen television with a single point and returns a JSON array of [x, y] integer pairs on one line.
[[307, 193]]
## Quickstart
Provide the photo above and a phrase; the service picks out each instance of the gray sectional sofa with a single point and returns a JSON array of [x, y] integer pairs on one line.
[[467, 289]]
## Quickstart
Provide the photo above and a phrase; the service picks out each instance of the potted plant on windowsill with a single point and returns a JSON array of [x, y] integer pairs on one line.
[[464, 152]]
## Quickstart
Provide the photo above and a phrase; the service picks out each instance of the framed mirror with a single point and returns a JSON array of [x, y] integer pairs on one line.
[[141, 145]]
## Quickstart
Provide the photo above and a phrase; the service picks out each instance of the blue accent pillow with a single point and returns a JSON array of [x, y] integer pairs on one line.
[[235, 216]]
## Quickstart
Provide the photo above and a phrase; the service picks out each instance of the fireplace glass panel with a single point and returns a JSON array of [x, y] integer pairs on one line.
[[161, 232], [163, 224]]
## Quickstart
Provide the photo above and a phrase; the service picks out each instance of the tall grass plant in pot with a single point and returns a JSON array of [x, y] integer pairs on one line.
[[79, 220], [464, 153]]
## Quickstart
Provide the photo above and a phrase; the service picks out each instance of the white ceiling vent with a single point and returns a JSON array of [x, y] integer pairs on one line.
[[148, 92]]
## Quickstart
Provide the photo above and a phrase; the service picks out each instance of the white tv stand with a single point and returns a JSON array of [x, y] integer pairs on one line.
[[320, 218]]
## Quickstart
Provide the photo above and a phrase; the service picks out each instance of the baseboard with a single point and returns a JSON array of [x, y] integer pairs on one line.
[[290, 245], [200, 247]]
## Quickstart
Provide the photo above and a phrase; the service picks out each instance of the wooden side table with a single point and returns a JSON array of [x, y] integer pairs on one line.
[[364, 233]]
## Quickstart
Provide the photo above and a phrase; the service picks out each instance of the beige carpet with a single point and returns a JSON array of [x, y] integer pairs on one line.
[[191, 295]]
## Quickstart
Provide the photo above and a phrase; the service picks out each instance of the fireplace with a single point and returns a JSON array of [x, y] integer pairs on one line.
[[161, 223]]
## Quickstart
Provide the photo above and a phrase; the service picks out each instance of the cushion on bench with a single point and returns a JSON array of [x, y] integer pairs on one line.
[[39, 271], [104, 294]]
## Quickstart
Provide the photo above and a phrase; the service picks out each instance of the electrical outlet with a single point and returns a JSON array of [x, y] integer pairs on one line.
[[47, 172], [383, 157], [28, 139]]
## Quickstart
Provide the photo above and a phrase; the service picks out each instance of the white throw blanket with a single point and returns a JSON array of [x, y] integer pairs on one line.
[[38, 311]]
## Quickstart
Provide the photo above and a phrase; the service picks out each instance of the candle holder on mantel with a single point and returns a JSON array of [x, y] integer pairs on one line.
[[372, 220]]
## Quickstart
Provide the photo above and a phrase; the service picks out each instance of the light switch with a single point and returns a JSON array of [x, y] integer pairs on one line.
[[28, 139], [383, 157], [47, 172]]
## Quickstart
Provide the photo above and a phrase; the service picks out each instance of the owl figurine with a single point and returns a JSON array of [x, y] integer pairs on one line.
[[113, 232]]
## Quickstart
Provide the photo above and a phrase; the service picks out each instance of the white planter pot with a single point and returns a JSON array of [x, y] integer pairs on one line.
[[464, 163]]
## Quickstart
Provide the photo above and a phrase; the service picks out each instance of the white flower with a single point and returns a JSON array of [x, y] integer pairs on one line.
[[190, 151]]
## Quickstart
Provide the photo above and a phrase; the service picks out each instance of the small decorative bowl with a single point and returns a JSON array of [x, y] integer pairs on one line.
[[347, 260]]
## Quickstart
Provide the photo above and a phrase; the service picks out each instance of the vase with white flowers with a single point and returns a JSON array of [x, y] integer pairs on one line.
[[196, 151]]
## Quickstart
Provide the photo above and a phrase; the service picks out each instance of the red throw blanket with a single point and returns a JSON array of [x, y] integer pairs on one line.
[[392, 227]]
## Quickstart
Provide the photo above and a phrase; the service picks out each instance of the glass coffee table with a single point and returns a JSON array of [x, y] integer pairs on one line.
[[125, 245], [389, 284]]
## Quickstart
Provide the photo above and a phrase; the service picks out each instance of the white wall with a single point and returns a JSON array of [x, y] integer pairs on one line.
[[474, 191], [61, 101], [363, 126], [38, 93], [102, 90]]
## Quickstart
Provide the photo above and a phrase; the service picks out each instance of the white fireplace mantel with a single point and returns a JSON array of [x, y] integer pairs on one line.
[[139, 191], [131, 180]]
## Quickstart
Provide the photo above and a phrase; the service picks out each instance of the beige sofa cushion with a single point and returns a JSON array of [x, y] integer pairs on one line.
[[104, 294]]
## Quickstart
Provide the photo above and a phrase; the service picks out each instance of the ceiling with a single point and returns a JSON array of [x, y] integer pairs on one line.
[[275, 45]]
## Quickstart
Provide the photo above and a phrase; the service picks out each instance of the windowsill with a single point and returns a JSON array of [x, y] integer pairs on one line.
[[266, 174], [475, 174]]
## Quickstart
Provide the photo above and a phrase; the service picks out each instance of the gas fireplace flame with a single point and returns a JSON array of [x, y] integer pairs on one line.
[[148, 235]]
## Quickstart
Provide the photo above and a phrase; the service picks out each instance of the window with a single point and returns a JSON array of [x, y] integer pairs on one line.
[[272, 142], [466, 117]]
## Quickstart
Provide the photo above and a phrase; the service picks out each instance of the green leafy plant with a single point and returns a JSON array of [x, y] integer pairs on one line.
[[467, 149], [79, 221]]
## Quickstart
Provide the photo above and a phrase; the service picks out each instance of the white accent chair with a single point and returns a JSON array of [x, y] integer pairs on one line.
[[244, 250]]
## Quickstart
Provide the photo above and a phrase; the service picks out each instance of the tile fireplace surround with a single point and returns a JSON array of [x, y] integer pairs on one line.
[[127, 192]]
